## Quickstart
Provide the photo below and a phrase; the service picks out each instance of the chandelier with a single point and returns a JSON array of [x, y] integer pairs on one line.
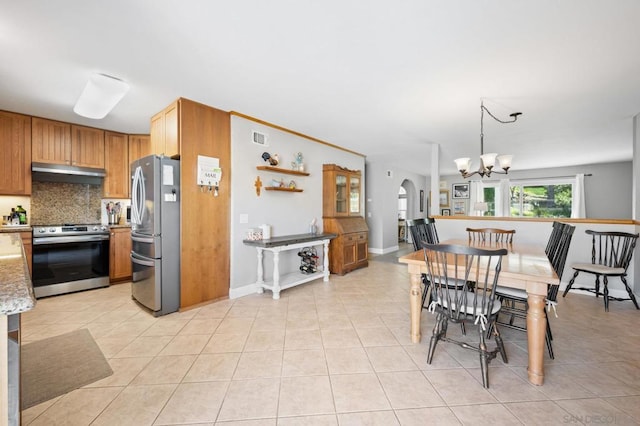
[[487, 161]]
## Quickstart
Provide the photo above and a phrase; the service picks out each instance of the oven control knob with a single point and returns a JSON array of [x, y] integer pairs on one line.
[[95, 228], [42, 230], [52, 229], [103, 228]]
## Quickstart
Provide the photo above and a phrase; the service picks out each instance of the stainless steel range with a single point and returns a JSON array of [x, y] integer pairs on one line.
[[68, 258]]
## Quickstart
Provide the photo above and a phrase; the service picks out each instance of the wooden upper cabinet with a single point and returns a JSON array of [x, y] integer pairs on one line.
[[116, 163], [15, 154], [157, 133], [139, 146], [50, 141], [165, 131], [171, 141], [87, 147]]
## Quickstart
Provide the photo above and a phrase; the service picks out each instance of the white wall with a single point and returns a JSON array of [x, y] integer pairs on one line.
[[288, 213], [381, 196], [608, 192]]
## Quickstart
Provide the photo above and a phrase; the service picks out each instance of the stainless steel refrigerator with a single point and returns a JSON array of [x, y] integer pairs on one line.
[[155, 233]]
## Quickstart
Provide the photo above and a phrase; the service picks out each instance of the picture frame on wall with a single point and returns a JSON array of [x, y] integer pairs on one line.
[[444, 198], [459, 208], [460, 190], [446, 212]]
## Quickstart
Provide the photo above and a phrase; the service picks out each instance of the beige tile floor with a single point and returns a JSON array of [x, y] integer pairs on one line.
[[334, 353]]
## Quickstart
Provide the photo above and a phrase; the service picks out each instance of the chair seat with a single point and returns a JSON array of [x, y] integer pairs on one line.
[[598, 269], [469, 308], [512, 293]]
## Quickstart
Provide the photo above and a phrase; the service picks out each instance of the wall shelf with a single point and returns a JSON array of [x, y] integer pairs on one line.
[[277, 188], [279, 170]]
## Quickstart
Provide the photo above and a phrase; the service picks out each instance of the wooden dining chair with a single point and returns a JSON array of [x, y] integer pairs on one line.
[[515, 301], [611, 254], [446, 266], [423, 230], [490, 235]]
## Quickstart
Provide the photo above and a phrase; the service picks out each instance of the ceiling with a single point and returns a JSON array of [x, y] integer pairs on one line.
[[384, 78]]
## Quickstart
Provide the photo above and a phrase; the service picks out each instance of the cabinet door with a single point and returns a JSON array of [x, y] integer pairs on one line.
[[139, 146], [165, 133], [87, 147], [354, 195], [362, 249], [120, 250], [157, 133], [116, 163], [171, 138], [348, 252], [15, 154], [341, 195], [50, 141]]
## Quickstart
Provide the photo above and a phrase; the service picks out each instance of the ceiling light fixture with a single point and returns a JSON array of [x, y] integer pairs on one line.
[[99, 96], [487, 161]]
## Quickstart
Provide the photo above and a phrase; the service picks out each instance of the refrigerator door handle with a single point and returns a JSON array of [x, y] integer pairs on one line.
[[148, 240], [137, 196], [139, 261]]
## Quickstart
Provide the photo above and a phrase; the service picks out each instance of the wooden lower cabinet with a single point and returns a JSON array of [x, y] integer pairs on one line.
[[119, 254], [349, 250]]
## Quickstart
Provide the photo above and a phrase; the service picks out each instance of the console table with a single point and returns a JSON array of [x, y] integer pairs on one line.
[[284, 243]]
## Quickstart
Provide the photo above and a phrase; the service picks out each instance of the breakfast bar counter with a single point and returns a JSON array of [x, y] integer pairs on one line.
[[289, 242]]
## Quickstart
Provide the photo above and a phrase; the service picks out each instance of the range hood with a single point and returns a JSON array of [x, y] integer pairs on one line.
[[45, 172]]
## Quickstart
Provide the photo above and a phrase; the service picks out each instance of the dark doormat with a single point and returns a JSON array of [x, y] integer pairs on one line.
[[57, 365]]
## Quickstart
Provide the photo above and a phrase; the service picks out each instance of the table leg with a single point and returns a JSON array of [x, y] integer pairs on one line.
[[536, 329], [325, 261], [276, 274], [260, 281], [415, 307]]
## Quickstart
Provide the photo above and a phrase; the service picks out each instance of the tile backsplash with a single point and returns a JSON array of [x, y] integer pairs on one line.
[[55, 203]]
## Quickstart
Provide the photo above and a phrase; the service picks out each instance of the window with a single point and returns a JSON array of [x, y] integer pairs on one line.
[[402, 203], [543, 198]]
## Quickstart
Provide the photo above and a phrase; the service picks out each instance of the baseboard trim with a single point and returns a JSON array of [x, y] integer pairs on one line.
[[383, 251], [245, 290]]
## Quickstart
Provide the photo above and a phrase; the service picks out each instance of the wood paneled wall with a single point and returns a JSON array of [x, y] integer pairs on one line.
[[205, 219]]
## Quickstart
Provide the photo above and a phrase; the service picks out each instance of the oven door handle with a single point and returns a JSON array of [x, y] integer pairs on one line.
[[70, 239], [139, 261]]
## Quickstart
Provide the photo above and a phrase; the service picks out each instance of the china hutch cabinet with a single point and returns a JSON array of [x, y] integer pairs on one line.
[[342, 215]]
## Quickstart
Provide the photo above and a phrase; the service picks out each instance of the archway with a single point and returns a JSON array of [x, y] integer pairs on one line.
[[406, 208]]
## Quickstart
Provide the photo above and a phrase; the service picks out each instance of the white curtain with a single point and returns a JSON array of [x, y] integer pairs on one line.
[[578, 209], [503, 208]]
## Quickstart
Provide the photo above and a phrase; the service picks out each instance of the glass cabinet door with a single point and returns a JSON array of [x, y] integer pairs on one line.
[[341, 194], [354, 195]]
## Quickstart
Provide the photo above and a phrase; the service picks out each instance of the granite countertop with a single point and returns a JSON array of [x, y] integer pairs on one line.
[[286, 240], [16, 291], [15, 228]]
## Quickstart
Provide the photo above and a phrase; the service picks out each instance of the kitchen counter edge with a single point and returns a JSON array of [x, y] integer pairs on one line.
[[16, 289], [9, 229]]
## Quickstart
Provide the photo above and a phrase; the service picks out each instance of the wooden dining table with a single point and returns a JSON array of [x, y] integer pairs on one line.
[[525, 267]]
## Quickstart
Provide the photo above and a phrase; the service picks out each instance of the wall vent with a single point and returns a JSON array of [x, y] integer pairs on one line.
[[259, 138]]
